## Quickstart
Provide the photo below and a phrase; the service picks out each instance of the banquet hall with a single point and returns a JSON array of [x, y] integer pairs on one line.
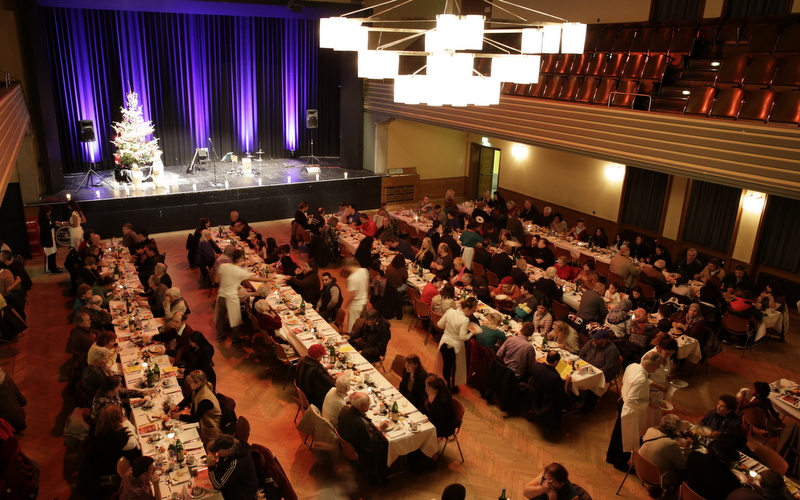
[[674, 129]]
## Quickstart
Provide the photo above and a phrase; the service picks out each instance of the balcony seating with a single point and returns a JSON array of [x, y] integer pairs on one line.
[[760, 72], [787, 108], [728, 103], [700, 101], [757, 105]]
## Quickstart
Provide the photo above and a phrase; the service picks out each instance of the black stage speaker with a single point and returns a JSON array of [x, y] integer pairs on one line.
[[312, 118], [86, 131]]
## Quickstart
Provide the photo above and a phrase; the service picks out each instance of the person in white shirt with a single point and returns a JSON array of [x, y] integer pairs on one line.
[[630, 425], [453, 361], [335, 400], [358, 286], [231, 276]]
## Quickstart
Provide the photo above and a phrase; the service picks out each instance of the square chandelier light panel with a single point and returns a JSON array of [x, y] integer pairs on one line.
[[551, 39], [340, 33], [459, 32], [523, 69], [450, 65], [573, 38], [531, 41], [378, 64]]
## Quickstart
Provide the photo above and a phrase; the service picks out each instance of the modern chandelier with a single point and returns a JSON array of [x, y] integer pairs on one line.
[[453, 45]]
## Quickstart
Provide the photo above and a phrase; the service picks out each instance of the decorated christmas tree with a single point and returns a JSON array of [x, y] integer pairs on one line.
[[131, 141]]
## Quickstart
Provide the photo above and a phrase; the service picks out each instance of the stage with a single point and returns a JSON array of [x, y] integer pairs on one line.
[[271, 192]]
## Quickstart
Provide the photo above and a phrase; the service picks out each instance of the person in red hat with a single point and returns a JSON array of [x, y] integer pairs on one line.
[[312, 377]]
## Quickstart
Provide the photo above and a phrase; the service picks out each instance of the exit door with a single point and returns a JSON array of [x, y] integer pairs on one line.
[[484, 169]]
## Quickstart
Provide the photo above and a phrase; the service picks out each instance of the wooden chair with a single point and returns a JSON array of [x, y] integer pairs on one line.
[[771, 459], [756, 421], [602, 268], [458, 408], [492, 278], [123, 466], [647, 471], [563, 252], [478, 269], [648, 293], [560, 310], [740, 327], [379, 364], [290, 361], [348, 450], [688, 494], [302, 402], [413, 294], [214, 279], [616, 278], [341, 321], [435, 317], [242, 432], [398, 366], [421, 312]]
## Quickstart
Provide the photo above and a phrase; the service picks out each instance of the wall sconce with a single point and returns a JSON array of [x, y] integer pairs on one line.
[[753, 201], [519, 151], [615, 172]]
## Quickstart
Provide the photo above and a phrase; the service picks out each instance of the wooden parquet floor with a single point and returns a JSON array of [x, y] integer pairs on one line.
[[499, 451]]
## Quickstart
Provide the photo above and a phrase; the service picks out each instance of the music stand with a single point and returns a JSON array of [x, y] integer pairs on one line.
[[312, 168]]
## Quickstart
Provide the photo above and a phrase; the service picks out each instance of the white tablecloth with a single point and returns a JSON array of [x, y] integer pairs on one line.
[[771, 319], [296, 331], [783, 406]]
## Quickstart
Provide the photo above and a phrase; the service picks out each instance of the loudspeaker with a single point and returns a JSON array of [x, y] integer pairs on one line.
[[86, 131], [312, 118]]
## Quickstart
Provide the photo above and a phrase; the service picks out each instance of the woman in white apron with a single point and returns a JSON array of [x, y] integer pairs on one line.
[[453, 361], [659, 380], [75, 220]]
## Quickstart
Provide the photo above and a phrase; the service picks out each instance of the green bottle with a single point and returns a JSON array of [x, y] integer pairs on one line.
[[395, 412], [131, 324], [544, 342], [179, 450], [302, 306], [502, 495], [148, 376], [156, 373]]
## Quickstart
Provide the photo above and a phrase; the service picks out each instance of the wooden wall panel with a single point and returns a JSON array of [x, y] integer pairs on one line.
[[744, 155], [14, 120]]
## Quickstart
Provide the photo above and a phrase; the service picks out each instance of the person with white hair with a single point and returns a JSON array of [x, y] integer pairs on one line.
[[161, 271], [101, 319], [174, 303], [96, 370], [355, 428], [660, 447], [630, 424], [335, 400], [268, 318]]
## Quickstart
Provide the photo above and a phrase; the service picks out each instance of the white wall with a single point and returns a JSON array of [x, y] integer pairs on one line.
[[435, 152]]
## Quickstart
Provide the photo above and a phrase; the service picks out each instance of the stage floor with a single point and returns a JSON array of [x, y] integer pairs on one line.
[[176, 180]]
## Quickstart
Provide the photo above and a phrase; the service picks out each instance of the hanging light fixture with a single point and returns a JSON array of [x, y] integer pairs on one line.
[[452, 42]]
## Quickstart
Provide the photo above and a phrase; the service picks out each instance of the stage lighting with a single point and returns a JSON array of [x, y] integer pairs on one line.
[[295, 5]]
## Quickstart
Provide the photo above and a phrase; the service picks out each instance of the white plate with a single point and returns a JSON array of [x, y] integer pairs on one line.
[[665, 405], [390, 427], [419, 428], [501, 297], [679, 384]]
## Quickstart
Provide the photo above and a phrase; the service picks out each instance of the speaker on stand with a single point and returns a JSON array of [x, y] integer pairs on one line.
[[312, 122], [86, 133]]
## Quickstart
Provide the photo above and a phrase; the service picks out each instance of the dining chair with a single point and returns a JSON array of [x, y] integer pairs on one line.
[[771, 459], [435, 317], [242, 432], [421, 312], [282, 356], [756, 421], [459, 410], [302, 401], [687, 493]]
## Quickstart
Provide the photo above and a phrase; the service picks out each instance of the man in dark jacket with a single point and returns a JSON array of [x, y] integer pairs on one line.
[[312, 378], [549, 396], [355, 428], [501, 263], [592, 306], [372, 338], [690, 266], [231, 468], [306, 282], [330, 299], [737, 280]]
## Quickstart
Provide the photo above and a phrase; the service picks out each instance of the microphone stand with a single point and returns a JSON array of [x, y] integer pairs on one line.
[[214, 161]]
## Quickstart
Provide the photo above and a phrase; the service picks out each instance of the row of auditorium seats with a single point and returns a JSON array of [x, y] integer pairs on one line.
[[762, 105], [622, 62]]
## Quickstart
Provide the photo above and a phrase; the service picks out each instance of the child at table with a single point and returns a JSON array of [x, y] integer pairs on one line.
[[612, 296]]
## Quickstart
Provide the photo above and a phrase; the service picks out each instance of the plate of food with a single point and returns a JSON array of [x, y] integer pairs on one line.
[[119, 322], [147, 315], [389, 425], [501, 297]]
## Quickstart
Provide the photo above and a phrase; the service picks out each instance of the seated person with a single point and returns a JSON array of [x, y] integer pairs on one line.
[[517, 353], [713, 268], [588, 277], [425, 205], [368, 226], [612, 296], [566, 336], [654, 276], [541, 256], [412, 384], [760, 399], [426, 254], [709, 474], [312, 377], [564, 270], [548, 286], [268, 318], [443, 265], [505, 295], [660, 448], [738, 280], [355, 428], [373, 337], [477, 285], [771, 486], [552, 484], [501, 263], [445, 300], [549, 391], [692, 323], [519, 272], [431, 290], [491, 336], [725, 423], [438, 406], [579, 231], [525, 304], [542, 319], [602, 354]]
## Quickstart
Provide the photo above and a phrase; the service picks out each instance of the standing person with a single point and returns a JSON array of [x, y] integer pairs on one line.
[[632, 408], [306, 282], [358, 286], [228, 302], [47, 237], [76, 218], [300, 225], [455, 324], [231, 468]]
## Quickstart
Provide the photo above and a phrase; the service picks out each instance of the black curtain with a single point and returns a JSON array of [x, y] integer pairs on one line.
[[676, 10], [245, 82], [752, 8], [711, 215], [645, 192], [779, 241]]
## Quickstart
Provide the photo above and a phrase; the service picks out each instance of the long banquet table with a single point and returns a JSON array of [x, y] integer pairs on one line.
[[147, 415]]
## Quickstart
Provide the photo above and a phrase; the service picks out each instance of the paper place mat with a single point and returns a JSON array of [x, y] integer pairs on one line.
[[417, 417], [189, 435]]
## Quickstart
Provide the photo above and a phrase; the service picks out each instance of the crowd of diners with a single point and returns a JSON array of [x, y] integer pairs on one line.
[[611, 324]]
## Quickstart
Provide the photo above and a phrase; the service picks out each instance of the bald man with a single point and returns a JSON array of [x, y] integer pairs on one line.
[[355, 428]]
